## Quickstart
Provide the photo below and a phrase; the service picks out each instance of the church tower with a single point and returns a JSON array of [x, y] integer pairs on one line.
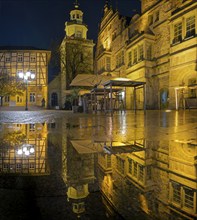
[[76, 51]]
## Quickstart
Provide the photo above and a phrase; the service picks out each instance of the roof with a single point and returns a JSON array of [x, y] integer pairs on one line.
[[123, 82], [19, 48]]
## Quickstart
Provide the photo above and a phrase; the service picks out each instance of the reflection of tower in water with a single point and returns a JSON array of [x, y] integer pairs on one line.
[[79, 173]]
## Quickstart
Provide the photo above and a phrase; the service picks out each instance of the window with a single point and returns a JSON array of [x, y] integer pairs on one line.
[[135, 55], [19, 99], [177, 33], [141, 173], [7, 57], [183, 195], [32, 127], [176, 193], [31, 165], [149, 52], [20, 57], [120, 165], [7, 98], [18, 166], [33, 58], [32, 97], [130, 59], [130, 166], [189, 198], [141, 52], [190, 26], [135, 169], [108, 63]]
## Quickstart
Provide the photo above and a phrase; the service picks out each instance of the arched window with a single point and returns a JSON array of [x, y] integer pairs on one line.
[[54, 99]]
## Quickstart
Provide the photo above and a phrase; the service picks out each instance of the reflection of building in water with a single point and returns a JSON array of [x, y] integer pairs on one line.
[[125, 176], [78, 174], [158, 182], [182, 177], [23, 149]]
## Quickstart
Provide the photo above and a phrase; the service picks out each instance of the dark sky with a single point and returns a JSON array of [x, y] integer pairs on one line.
[[40, 22]]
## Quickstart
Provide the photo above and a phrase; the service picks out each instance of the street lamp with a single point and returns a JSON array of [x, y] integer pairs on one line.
[[26, 77], [26, 149]]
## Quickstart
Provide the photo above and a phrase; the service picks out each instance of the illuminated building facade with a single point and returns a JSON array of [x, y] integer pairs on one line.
[[14, 60], [157, 47], [76, 57]]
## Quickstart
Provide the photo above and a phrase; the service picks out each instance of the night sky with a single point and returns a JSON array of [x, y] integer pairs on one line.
[[39, 23]]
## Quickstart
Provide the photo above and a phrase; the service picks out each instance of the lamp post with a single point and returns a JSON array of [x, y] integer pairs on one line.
[[26, 77]]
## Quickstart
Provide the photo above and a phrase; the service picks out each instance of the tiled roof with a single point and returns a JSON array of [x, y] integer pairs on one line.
[[19, 48]]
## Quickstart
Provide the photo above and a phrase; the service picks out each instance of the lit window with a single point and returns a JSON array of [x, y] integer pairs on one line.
[[177, 33], [190, 26]]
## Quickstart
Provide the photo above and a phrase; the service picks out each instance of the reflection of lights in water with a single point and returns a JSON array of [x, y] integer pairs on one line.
[[26, 149]]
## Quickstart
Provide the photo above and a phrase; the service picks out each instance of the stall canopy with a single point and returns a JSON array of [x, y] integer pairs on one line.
[[124, 82], [89, 80]]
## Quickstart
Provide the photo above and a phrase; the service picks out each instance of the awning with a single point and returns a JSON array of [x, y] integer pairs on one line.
[[89, 80]]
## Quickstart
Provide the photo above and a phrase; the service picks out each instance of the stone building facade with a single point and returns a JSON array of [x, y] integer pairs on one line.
[[76, 57], [157, 47], [14, 60]]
